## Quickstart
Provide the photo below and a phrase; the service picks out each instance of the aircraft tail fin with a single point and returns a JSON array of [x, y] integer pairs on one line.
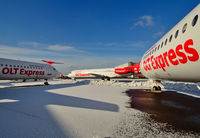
[[125, 65]]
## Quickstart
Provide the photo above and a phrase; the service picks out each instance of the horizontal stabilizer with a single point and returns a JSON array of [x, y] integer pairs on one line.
[[51, 62]]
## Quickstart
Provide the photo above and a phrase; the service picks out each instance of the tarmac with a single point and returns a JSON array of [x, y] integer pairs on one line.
[[180, 111]]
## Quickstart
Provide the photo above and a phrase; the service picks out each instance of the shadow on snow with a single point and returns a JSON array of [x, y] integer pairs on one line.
[[28, 112]]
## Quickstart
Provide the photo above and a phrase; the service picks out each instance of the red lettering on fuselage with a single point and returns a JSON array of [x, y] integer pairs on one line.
[[82, 75], [179, 55], [5, 70], [13, 71]]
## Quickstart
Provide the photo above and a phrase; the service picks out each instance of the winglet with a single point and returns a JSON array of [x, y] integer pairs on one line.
[[51, 62]]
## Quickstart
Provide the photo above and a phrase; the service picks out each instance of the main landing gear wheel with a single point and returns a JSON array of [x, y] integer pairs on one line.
[[46, 83], [156, 89]]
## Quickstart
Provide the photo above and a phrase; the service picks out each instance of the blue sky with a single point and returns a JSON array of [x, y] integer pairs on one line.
[[85, 33]]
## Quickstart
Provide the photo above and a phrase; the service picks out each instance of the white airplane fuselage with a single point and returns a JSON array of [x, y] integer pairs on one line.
[[15, 69], [96, 73], [176, 55]]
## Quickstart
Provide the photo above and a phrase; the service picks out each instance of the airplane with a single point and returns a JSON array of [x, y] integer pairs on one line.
[[16, 69], [175, 56], [104, 73]]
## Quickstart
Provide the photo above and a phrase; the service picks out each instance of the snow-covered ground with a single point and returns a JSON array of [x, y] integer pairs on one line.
[[78, 109], [64, 109], [182, 87], [13, 83]]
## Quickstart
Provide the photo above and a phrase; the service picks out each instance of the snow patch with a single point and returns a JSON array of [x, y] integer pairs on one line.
[[140, 125], [8, 101]]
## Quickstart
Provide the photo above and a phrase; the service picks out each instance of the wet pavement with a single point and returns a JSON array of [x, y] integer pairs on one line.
[[179, 111]]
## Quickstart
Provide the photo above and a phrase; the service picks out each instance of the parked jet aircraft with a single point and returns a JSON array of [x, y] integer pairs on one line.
[[176, 55], [16, 69], [104, 73]]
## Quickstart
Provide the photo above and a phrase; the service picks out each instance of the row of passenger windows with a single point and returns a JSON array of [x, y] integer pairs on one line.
[[21, 66], [194, 21]]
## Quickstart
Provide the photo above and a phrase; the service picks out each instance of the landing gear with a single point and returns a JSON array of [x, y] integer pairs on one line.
[[156, 88], [74, 79], [108, 79], [46, 82]]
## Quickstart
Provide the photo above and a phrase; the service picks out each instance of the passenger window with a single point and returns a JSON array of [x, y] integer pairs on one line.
[[10, 65], [184, 28], [194, 21], [170, 39], [176, 35], [158, 47], [162, 45], [166, 42], [6, 65]]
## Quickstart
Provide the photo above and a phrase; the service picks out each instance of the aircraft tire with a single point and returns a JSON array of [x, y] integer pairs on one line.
[[159, 88], [156, 89]]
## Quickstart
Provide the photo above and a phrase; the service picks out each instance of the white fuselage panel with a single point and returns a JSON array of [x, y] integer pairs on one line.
[[179, 59]]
